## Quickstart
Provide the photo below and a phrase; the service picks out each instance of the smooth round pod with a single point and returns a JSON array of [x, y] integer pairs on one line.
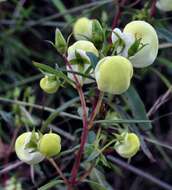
[[129, 146], [164, 5], [113, 74], [82, 29], [50, 144], [81, 47], [147, 55], [49, 85], [27, 155]]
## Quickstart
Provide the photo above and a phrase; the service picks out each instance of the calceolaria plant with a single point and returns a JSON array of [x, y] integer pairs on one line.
[[94, 63]]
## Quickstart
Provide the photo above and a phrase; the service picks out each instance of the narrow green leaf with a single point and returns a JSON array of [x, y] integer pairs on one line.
[[137, 107], [50, 184], [93, 59], [162, 77], [61, 7], [165, 34], [50, 70]]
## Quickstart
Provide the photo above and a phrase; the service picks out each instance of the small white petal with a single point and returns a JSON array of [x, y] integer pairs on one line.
[[116, 34], [164, 5], [127, 38]]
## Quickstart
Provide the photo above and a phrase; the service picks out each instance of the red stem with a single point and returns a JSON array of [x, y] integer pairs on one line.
[[153, 8], [83, 138], [116, 17], [118, 14], [85, 128], [9, 152]]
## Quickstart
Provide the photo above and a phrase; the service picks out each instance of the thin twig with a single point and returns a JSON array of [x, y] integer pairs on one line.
[[96, 109], [87, 173], [159, 102], [72, 10], [59, 171], [10, 167], [133, 4], [139, 172]]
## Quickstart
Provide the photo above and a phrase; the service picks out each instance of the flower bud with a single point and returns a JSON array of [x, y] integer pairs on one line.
[[50, 144], [49, 84], [60, 42], [80, 61], [82, 29], [127, 145], [113, 74], [144, 31], [164, 5], [25, 153], [87, 29]]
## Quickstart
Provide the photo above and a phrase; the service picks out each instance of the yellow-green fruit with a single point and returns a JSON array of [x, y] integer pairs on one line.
[[82, 29], [164, 5], [50, 144], [129, 146], [49, 85], [25, 154], [113, 74], [144, 31]]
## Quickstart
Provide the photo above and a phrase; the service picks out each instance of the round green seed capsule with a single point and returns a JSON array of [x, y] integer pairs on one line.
[[50, 144], [129, 146], [113, 74], [49, 85], [82, 29], [27, 154]]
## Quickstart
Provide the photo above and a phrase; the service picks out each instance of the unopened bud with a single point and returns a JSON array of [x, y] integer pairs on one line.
[[60, 42]]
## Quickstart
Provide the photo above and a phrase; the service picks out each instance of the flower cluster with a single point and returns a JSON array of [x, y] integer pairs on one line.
[[33, 147], [92, 58], [135, 46]]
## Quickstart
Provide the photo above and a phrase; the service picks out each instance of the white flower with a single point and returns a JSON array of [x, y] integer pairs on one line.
[[81, 47], [164, 5], [144, 31], [25, 154], [127, 40]]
